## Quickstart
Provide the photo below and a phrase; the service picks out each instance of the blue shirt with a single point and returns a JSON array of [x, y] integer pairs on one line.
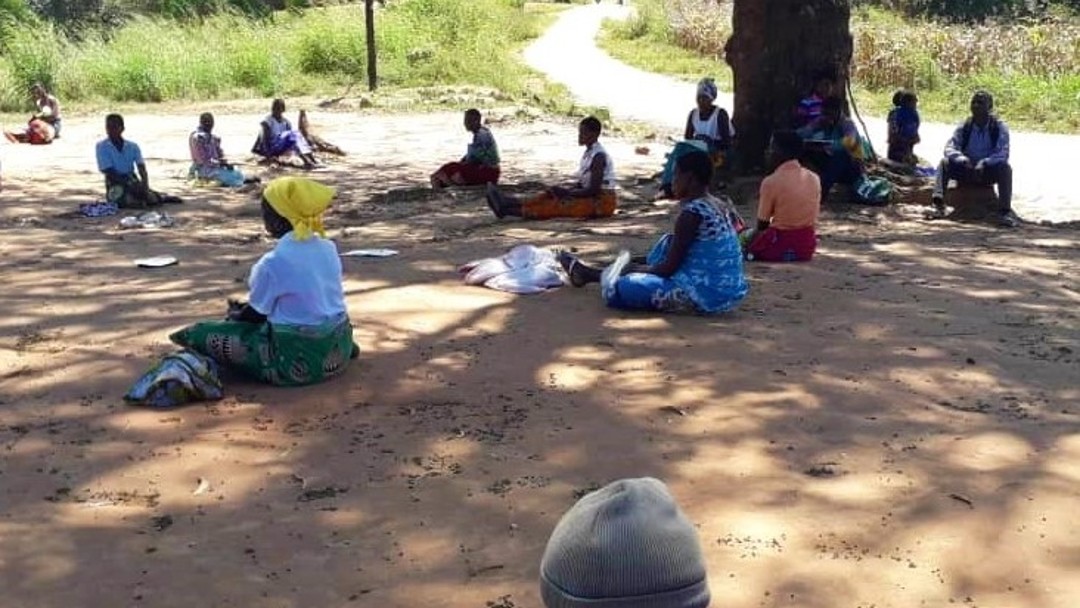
[[980, 145], [299, 283], [121, 161]]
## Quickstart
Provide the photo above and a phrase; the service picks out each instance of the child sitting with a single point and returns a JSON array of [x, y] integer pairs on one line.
[[904, 127]]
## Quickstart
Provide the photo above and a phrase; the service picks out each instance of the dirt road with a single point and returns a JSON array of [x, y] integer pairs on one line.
[[567, 53]]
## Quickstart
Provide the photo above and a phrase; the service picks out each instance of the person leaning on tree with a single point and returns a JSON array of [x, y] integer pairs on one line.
[[978, 154]]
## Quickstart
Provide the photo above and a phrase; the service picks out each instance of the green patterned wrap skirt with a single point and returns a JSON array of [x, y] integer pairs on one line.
[[283, 355]]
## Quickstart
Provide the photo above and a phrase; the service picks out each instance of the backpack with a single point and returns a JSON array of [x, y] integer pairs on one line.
[[965, 136]]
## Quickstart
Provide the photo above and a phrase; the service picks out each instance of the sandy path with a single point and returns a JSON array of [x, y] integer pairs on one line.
[[567, 53], [893, 425]]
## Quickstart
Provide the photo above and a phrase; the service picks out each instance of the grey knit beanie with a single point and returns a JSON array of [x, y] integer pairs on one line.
[[626, 545]]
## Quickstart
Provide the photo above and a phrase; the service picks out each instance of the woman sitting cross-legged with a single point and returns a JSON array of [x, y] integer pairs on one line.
[[698, 268], [295, 329]]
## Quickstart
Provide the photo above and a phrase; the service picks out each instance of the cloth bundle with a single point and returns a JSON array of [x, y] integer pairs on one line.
[[523, 270], [177, 379]]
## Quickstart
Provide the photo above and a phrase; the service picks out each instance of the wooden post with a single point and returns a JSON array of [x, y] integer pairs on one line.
[[369, 27]]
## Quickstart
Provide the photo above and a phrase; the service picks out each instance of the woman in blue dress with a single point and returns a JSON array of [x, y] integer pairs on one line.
[[697, 268]]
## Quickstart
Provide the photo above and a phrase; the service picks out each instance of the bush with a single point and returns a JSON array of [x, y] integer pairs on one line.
[[971, 10], [420, 42]]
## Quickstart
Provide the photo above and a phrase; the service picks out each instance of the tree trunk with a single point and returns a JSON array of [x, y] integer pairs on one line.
[[777, 48], [369, 30]]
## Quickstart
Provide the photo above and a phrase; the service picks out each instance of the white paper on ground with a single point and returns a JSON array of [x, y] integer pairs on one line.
[[156, 261], [369, 253]]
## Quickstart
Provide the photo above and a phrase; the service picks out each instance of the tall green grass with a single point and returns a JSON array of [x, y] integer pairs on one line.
[[420, 42], [1032, 68]]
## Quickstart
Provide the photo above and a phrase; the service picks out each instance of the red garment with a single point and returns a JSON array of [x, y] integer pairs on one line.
[[469, 174], [775, 245]]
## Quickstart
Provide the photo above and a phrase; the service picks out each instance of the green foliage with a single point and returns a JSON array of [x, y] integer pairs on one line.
[[420, 42], [683, 38], [1033, 67], [972, 10]]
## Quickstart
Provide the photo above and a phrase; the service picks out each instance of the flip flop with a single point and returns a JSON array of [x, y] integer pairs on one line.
[[494, 201], [610, 276]]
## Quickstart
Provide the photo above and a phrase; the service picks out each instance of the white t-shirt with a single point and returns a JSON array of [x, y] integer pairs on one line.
[[585, 170], [299, 283], [709, 127]]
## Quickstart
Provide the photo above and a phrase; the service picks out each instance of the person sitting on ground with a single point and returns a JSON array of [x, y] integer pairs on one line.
[[904, 124], [295, 329], [788, 206], [127, 184], [37, 132], [626, 545], [48, 108], [207, 158], [978, 154], [278, 138], [833, 146], [591, 196], [480, 165], [44, 126], [810, 107], [708, 127], [698, 268]]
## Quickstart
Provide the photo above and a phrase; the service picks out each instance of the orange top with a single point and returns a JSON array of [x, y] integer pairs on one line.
[[790, 197]]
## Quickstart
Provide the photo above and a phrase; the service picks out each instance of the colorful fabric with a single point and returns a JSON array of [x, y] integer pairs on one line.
[[777, 245], [299, 282], [483, 150], [283, 139], [99, 209], [808, 110], [207, 160], [301, 201], [546, 206], [130, 193], [706, 87], [281, 355], [230, 178], [470, 174], [682, 148], [790, 198], [844, 136], [710, 279], [177, 379], [122, 160]]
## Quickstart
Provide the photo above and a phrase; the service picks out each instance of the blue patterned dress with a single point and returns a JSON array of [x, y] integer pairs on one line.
[[710, 279]]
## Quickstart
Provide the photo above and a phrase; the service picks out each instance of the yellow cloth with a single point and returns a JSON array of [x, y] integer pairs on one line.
[[301, 201]]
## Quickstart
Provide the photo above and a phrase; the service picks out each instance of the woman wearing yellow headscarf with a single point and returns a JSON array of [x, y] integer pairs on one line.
[[294, 330]]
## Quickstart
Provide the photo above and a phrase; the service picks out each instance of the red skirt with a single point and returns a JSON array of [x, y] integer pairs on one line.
[[469, 174], [775, 245]]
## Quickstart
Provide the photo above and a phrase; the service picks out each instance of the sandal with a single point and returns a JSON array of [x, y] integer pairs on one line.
[[568, 261]]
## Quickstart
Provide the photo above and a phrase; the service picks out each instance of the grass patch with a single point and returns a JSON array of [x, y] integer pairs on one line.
[[1033, 69], [419, 43], [649, 41]]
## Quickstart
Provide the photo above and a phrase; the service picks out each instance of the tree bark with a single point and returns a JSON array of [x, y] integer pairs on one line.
[[369, 31], [777, 48]]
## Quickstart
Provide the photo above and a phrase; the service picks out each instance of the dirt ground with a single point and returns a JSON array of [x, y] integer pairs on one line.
[[893, 425]]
